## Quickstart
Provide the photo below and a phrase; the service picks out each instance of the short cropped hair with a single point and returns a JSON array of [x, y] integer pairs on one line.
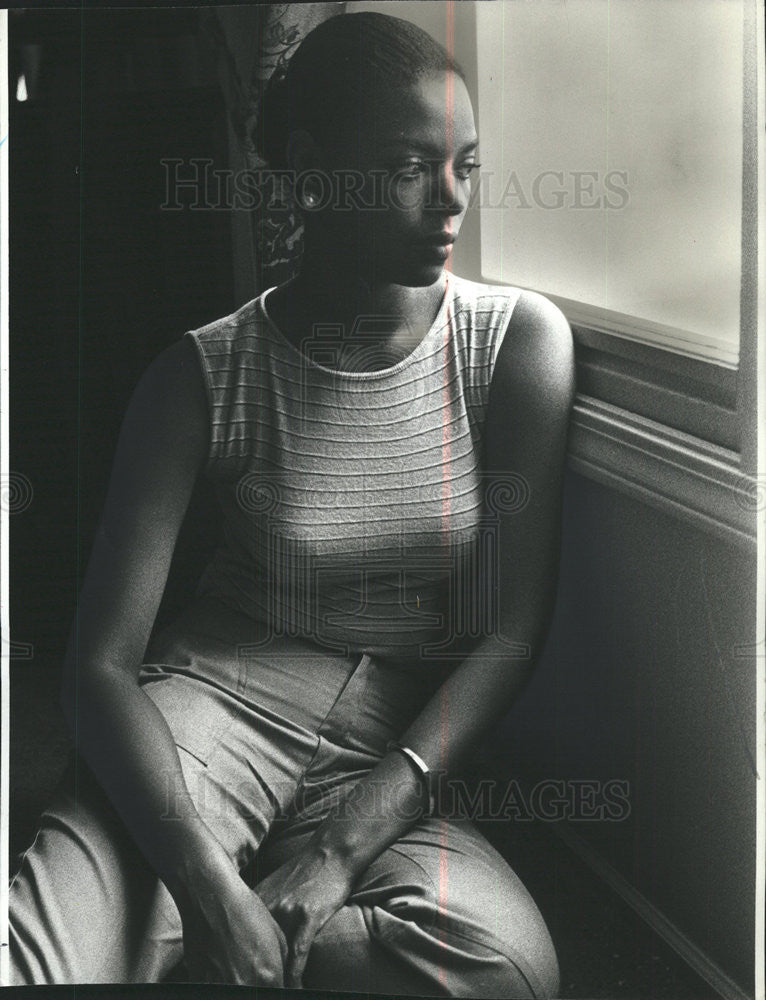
[[333, 75]]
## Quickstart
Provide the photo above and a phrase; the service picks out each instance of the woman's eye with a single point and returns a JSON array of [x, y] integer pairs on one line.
[[464, 171], [413, 168]]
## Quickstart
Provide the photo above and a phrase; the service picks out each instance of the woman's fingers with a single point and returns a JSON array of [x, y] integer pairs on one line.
[[300, 922], [300, 946], [301, 897]]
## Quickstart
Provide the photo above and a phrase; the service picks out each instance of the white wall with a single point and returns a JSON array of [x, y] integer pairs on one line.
[[643, 100]]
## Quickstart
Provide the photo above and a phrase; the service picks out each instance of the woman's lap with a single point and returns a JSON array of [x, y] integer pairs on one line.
[[439, 912]]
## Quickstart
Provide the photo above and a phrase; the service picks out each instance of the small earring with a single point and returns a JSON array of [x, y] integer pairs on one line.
[[309, 199]]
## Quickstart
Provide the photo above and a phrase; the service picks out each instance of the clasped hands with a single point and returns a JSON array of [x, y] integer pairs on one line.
[[233, 933], [263, 936], [301, 896]]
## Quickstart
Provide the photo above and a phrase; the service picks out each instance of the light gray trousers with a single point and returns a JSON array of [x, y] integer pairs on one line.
[[271, 735]]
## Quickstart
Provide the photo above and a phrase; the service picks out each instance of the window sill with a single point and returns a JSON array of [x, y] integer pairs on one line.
[[718, 351]]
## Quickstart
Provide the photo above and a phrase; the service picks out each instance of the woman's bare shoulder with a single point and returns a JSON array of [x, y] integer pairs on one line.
[[530, 402], [171, 391], [538, 347], [535, 318], [176, 368], [162, 445]]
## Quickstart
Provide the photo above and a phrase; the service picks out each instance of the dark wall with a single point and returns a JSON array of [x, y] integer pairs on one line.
[[102, 277], [648, 679]]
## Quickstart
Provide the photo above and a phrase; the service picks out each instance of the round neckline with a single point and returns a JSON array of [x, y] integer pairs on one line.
[[362, 376]]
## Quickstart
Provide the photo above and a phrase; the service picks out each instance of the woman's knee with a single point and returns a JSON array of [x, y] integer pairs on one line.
[[461, 892], [472, 955], [533, 965], [80, 892], [400, 947], [489, 906], [449, 923]]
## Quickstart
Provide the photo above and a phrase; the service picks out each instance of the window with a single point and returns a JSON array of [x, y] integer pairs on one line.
[[622, 135], [611, 141]]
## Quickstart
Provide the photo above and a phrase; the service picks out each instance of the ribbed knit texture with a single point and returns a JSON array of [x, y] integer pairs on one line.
[[352, 500]]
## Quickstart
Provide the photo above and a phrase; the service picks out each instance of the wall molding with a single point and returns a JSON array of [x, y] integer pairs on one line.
[[695, 397], [700, 482]]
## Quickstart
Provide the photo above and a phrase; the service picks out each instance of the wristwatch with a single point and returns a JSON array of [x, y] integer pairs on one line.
[[429, 778]]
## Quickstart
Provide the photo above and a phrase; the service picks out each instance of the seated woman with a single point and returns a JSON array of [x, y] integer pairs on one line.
[[387, 441]]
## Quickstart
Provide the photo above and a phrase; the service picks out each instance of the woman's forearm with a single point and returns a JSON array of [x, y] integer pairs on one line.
[[385, 803], [127, 743]]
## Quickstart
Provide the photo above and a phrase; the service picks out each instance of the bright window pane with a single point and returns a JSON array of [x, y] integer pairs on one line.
[[611, 144]]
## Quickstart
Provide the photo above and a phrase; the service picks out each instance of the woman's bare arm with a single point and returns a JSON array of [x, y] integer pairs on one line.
[[525, 438], [124, 738], [525, 434], [117, 728]]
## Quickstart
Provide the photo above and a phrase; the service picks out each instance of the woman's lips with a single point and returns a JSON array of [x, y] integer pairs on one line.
[[438, 247]]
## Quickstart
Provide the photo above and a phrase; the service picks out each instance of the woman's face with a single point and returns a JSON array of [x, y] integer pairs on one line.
[[401, 181]]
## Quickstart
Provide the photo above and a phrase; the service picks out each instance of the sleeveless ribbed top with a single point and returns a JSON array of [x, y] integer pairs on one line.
[[351, 500]]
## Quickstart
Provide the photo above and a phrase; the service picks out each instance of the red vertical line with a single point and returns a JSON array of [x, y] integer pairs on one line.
[[449, 105]]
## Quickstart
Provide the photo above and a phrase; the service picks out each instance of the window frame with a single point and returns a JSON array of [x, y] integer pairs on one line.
[[663, 403]]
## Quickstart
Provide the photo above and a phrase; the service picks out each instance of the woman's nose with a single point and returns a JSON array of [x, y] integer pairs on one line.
[[447, 194]]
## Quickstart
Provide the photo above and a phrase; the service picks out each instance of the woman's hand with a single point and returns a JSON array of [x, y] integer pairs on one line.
[[229, 935], [305, 892], [302, 895]]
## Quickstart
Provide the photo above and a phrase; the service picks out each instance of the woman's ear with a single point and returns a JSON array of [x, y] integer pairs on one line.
[[303, 153], [305, 160]]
